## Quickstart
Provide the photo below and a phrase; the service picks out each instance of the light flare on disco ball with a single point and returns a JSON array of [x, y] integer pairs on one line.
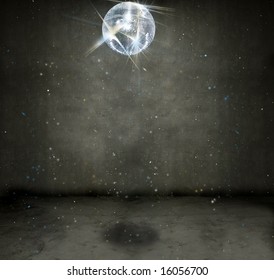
[[128, 28]]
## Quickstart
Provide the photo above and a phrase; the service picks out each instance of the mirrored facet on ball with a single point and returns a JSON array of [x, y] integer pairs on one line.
[[128, 28]]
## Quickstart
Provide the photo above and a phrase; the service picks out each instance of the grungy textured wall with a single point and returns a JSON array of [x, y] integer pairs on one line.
[[197, 117]]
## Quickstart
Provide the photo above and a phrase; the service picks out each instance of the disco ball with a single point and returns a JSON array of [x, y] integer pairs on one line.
[[128, 28]]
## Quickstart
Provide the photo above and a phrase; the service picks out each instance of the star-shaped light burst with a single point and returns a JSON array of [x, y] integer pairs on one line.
[[128, 28]]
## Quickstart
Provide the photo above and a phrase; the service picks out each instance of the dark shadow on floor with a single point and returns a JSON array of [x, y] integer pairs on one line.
[[126, 233]]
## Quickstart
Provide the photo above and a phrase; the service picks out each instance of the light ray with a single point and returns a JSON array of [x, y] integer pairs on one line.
[[95, 47], [159, 8], [85, 21]]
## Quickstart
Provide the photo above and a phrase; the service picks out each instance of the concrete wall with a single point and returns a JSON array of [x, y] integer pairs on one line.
[[196, 118]]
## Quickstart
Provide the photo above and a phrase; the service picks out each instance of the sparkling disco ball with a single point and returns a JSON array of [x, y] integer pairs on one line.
[[128, 28]]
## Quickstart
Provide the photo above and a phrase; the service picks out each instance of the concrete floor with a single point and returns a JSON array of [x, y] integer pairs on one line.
[[139, 228]]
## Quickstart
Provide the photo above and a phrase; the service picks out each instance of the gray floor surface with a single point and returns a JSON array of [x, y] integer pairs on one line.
[[136, 228]]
